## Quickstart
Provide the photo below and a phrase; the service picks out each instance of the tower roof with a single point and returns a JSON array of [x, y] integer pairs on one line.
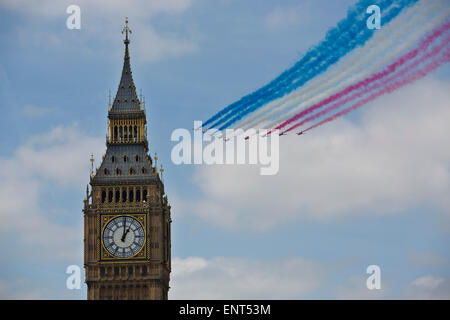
[[125, 163], [126, 98], [126, 159]]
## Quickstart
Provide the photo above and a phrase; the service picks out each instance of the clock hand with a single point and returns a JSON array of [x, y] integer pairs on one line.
[[124, 233]]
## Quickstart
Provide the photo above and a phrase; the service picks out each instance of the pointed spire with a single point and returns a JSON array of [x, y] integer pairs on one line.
[[126, 97]]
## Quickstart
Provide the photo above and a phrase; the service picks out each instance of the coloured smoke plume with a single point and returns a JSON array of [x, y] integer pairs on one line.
[[371, 83], [350, 33], [383, 48], [416, 75]]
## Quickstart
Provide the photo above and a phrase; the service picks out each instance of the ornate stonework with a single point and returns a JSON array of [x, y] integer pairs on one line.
[[127, 221]]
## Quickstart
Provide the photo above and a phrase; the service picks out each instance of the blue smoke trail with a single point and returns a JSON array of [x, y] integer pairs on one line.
[[336, 45], [311, 55], [344, 46], [349, 33]]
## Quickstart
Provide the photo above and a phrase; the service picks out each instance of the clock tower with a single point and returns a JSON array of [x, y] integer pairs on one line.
[[126, 213]]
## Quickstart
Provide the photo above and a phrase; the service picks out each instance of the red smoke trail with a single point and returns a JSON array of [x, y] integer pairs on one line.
[[377, 76], [418, 74], [377, 85]]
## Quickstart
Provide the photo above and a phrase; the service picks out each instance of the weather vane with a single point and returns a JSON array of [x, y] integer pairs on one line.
[[125, 30]]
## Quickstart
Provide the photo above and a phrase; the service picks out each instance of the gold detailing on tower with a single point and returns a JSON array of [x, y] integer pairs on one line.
[[92, 165], [162, 171], [126, 131]]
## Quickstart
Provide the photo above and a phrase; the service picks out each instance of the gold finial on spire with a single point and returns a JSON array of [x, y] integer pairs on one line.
[[162, 171], [126, 29], [109, 100], [92, 164]]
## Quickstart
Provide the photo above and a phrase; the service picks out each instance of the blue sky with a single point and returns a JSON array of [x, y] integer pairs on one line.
[[371, 188]]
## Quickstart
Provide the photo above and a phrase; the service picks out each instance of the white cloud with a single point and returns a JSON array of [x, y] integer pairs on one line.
[[235, 278], [356, 289], [108, 7], [152, 45], [287, 16], [429, 287], [427, 259], [20, 289], [34, 288], [395, 159], [102, 21], [58, 158], [60, 155], [31, 110]]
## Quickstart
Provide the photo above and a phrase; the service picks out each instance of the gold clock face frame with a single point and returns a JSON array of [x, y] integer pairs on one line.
[[107, 220]]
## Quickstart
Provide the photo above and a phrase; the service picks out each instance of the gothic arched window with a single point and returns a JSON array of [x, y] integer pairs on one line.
[[144, 195], [138, 195], [144, 270], [131, 196]]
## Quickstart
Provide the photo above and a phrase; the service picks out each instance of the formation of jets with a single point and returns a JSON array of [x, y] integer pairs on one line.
[[298, 133], [246, 138]]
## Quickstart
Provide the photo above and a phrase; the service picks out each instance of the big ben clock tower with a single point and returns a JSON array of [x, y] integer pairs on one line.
[[126, 214]]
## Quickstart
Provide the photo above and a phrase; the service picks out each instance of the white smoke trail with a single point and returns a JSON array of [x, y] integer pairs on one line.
[[396, 29], [368, 62], [393, 39], [392, 52], [360, 16]]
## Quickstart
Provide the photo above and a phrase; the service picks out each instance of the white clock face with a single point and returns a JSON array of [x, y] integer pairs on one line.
[[123, 237]]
